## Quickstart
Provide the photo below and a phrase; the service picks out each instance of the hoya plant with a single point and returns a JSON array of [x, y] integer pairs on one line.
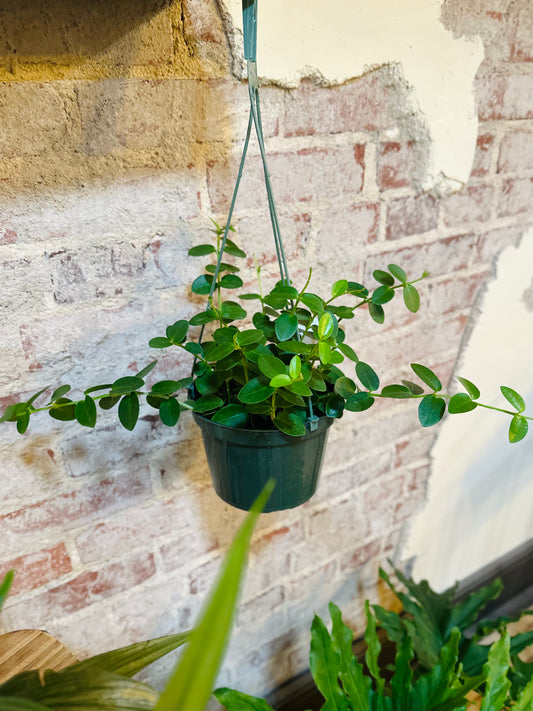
[[277, 367]]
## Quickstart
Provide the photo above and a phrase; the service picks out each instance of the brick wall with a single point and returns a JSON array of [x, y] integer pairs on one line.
[[115, 152]]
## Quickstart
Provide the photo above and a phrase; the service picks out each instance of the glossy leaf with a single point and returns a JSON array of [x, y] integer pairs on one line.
[[169, 412], [238, 701], [106, 403], [59, 392], [427, 376], [295, 367], [498, 684], [470, 388], [348, 351], [208, 383], [189, 687], [525, 702], [202, 285], [326, 326], [413, 387], [201, 250], [373, 648], [206, 403], [359, 402], [460, 403], [376, 312], [396, 391], [220, 351], [517, 429], [144, 372], [516, 400], [382, 295], [397, 272], [316, 381], [23, 422], [367, 375], [271, 366], [86, 412], [431, 410], [383, 277], [334, 406], [231, 416], [286, 326], [290, 423], [178, 331], [298, 387], [230, 311], [63, 410], [295, 347], [15, 703], [126, 385], [194, 348], [285, 398], [324, 352], [285, 292], [339, 287], [250, 337], [411, 298], [250, 297], [167, 387], [313, 302], [345, 387], [159, 342], [128, 410], [203, 317], [355, 682], [5, 586], [256, 390], [231, 248], [279, 381], [324, 661], [231, 281]]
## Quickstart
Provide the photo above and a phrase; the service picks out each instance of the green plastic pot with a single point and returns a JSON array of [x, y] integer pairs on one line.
[[241, 462]]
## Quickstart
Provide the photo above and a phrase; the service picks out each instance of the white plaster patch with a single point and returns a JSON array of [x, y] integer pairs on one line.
[[481, 487], [344, 40]]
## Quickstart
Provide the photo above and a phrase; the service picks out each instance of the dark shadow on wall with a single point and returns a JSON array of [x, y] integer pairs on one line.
[[83, 27]]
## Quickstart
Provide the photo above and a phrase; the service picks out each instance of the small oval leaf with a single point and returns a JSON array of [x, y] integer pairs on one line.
[[411, 298], [517, 429], [431, 410], [128, 410], [367, 375], [427, 376], [169, 412], [516, 400]]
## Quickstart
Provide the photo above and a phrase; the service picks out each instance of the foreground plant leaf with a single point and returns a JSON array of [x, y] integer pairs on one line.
[[190, 685], [5, 586], [238, 701]]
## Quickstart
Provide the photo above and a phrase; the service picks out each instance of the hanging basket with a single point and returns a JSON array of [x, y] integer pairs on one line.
[[242, 461]]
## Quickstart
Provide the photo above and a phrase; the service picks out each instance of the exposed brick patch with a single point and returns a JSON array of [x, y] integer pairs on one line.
[[35, 569], [362, 105], [516, 197], [471, 204], [522, 41], [7, 236], [516, 152], [395, 165], [406, 508], [490, 243], [361, 555], [411, 215], [455, 292], [411, 449], [483, 155], [505, 96]]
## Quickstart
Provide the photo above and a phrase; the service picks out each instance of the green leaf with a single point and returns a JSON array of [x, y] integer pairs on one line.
[[224, 267], [339, 287], [231, 281], [250, 297], [194, 348], [128, 410], [367, 375], [414, 388], [128, 384], [59, 392], [345, 387], [86, 412], [238, 701], [202, 285], [256, 390], [284, 291], [206, 403], [159, 342], [517, 429], [202, 318], [177, 332], [359, 402], [286, 326], [167, 387], [326, 326], [498, 684], [208, 383], [316, 381], [250, 337], [190, 685], [299, 388], [169, 411], [383, 277], [128, 661], [231, 416], [290, 423], [15, 703], [295, 347], [63, 410], [142, 373], [355, 682], [201, 250], [525, 701], [373, 648], [34, 397], [411, 298], [313, 302], [431, 410], [5, 586], [230, 311], [397, 272], [23, 422], [516, 400], [460, 403], [106, 403], [220, 351], [279, 381], [295, 367], [324, 352], [470, 388], [285, 399], [271, 366], [334, 406], [376, 312], [382, 295], [427, 376], [348, 351], [396, 391], [324, 661], [231, 248]]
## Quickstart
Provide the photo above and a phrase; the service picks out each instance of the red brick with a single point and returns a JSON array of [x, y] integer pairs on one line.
[[395, 165], [516, 197], [492, 242], [443, 256], [362, 105], [516, 152], [411, 215], [483, 155], [413, 448], [361, 555], [256, 237], [505, 96], [7, 235], [35, 569], [455, 293], [69, 509], [471, 204], [308, 174], [522, 42]]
